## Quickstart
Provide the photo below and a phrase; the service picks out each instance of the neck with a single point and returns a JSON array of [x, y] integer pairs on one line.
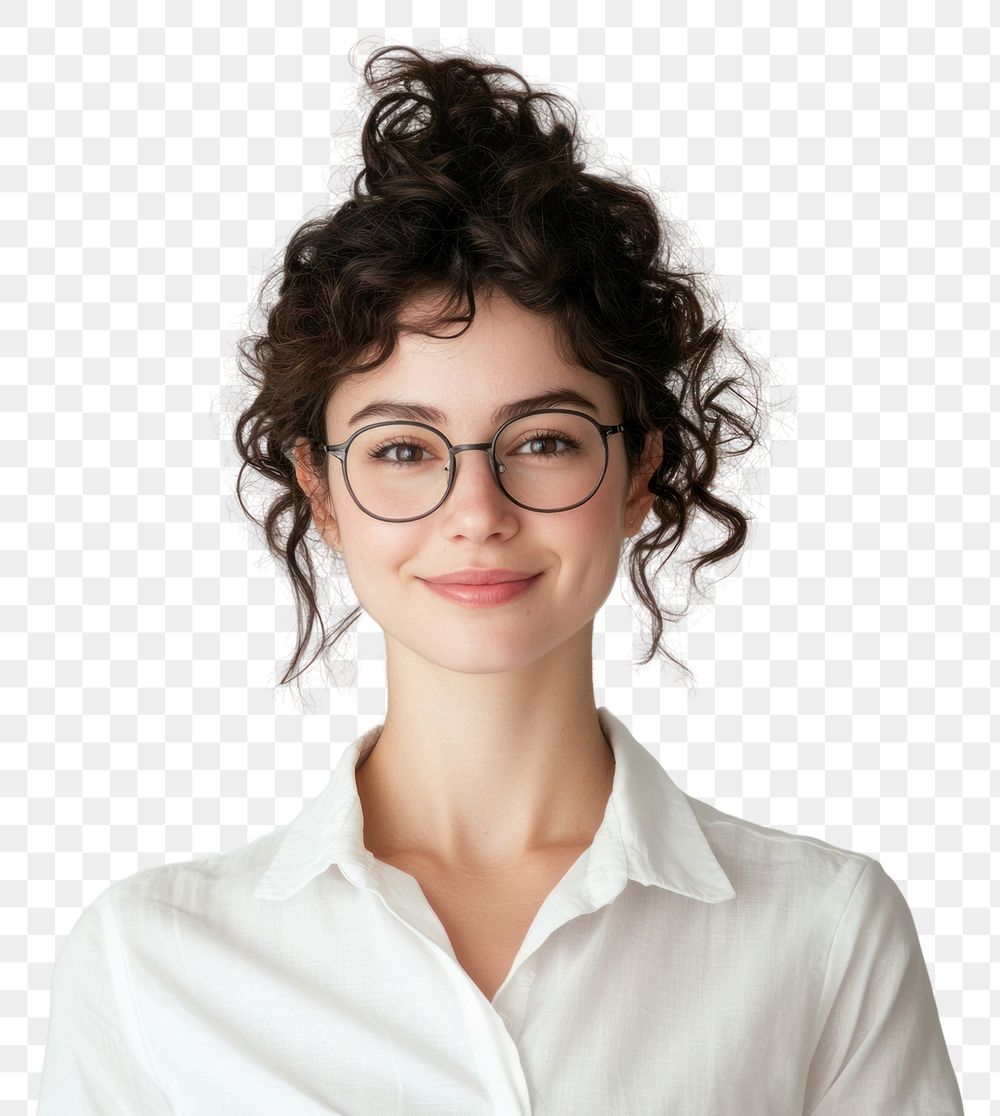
[[479, 785]]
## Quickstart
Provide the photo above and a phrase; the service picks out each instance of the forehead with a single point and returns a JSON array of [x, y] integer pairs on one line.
[[506, 354]]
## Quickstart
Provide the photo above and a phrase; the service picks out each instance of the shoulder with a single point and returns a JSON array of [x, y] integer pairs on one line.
[[218, 886], [791, 874]]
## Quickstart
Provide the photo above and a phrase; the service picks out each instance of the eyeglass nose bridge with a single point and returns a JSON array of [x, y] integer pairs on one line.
[[495, 465]]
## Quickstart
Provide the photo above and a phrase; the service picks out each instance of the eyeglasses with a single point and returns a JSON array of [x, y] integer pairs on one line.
[[398, 489]]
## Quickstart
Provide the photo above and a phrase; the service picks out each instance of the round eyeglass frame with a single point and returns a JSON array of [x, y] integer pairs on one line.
[[339, 450]]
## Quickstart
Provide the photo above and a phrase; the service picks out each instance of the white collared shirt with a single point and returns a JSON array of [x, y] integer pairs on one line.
[[689, 962]]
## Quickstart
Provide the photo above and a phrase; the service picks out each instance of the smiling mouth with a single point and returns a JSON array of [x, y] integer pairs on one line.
[[495, 593]]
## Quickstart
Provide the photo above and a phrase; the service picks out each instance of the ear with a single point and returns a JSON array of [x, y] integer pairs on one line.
[[640, 499], [318, 493]]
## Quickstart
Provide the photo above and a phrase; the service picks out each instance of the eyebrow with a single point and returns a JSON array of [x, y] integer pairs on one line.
[[392, 408]]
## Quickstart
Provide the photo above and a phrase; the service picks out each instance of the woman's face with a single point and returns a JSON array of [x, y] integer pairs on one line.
[[506, 355]]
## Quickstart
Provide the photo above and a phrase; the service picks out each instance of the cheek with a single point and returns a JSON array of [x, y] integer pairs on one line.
[[596, 526], [588, 546], [377, 556], [374, 551]]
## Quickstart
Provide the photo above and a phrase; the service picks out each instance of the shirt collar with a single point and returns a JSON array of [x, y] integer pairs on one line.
[[649, 832]]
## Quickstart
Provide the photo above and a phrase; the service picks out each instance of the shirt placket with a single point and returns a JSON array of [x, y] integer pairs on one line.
[[512, 1002], [497, 1059]]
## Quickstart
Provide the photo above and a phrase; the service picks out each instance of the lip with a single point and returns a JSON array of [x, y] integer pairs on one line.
[[474, 576], [488, 595]]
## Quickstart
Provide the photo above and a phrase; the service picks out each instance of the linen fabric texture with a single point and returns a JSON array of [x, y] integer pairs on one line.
[[689, 962]]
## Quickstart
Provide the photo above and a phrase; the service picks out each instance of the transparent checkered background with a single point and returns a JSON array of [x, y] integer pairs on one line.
[[831, 163]]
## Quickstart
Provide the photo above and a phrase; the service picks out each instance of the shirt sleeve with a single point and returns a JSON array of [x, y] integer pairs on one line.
[[95, 1061], [881, 1047]]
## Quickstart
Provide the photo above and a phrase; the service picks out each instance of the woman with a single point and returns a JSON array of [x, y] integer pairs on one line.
[[479, 383]]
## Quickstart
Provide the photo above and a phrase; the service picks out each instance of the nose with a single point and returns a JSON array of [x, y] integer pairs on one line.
[[475, 470]]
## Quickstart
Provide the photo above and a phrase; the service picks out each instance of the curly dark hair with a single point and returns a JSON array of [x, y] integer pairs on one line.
[[466, 189]]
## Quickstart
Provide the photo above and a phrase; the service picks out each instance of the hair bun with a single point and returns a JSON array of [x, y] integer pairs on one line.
[[458, 125]]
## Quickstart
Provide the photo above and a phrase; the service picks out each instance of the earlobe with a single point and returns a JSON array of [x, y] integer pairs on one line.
[[326, 524]]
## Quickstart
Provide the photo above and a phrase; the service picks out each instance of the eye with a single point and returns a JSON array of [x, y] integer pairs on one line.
[[549, 436], [379, 452]]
